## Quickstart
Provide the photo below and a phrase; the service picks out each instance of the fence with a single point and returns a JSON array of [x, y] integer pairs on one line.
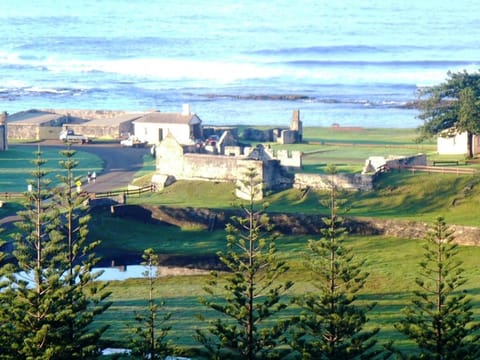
[[440, 169], [5, 196], [11, 196], [126, 192]]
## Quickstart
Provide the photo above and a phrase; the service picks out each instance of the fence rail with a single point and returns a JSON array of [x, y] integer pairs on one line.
[[126, 192], [440, 169], [8, 195], [5, 196]]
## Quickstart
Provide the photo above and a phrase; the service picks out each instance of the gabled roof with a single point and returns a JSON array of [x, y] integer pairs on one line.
[[116, 120], [167, 118]]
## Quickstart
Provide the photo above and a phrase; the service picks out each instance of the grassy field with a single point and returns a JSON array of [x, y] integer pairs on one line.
[[391, 262], [16, 165], [418, 196]]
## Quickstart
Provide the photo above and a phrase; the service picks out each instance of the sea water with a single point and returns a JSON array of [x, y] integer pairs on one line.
[[348, 62]]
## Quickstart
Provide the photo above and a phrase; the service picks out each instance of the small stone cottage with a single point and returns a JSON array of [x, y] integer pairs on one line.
[[153, 127]]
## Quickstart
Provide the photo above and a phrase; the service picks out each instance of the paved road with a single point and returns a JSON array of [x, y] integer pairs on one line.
[[120, 164]]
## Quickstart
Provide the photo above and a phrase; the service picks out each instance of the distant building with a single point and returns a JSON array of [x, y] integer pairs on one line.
[[153, 127], [291, 135], [105, 124], [450, 142], [36, 125], [228, 162]]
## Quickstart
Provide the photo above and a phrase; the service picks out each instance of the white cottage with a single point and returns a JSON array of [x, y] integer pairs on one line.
[[449, 142], [154, 127]]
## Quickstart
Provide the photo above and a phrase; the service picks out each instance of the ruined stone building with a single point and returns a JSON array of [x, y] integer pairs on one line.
[[225, 162], [291, 135]]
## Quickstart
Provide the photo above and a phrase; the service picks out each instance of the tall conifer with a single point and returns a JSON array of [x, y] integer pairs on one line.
[[252, 293], [85, 298], [36, 287], [331, 325], [149, 340], [440, 318], [50, 293]]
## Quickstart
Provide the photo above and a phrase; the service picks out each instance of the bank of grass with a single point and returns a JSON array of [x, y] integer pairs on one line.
[[397, 195]]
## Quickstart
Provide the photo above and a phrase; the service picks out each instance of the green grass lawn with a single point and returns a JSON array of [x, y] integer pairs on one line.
[[391, 262], [403, 195], [16, 165]]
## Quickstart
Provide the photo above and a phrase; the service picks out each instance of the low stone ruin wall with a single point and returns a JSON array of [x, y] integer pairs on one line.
[[343, 181], [289, 224]]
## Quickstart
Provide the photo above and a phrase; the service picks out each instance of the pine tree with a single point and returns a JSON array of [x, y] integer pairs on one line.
[[36, 285], [85, 298], [331, 325], [440, 319], [50, 293], [149, 341], [252, 293], [7, 331]]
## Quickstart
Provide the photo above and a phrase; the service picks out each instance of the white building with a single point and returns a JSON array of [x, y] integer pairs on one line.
[[449, 142], [154, 127]]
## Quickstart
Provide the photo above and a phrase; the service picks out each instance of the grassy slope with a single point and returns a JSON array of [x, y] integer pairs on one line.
[[419, 196], [392, 263]]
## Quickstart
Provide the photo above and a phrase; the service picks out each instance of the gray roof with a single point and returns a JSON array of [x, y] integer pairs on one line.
[[116, 120], [168, 118], [33, 117]]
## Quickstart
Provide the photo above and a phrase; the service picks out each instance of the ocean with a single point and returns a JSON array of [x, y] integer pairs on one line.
[[346, 62]]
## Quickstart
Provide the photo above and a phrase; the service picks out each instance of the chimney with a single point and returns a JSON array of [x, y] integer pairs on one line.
[[186, 110]]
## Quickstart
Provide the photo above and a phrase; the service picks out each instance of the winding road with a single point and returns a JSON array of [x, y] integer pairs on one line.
[[119, 164]]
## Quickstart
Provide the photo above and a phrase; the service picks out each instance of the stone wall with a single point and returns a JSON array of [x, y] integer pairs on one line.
[[300, 224], [289, 159], [103, 131], [88, 114], [208, 167], [49, 132], [174, 161], [23, 131], [343, 181], [288, 137], [376, 163]]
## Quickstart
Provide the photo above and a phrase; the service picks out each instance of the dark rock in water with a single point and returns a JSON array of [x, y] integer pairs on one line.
[[288, 97]]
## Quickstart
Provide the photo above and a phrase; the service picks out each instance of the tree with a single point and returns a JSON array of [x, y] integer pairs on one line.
[[85, 298], [34, 294], [50, 293], [331, 325], [149, 341], [468, 116], [452, 104], [252, 294], [7, 331], [440, 319]]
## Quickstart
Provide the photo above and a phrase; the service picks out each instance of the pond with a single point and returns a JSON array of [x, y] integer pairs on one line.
[[124, 272]]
